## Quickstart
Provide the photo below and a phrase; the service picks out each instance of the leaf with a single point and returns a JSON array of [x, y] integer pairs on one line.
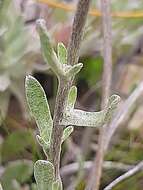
[[47, 50], [20, 170], [1, 187], [76, 117], [39, 107], [72, 97], [14, 146], [62, 53], [114, 100], [57, 185], [44, 144], [44, 174], [73, 70], [67, 132]]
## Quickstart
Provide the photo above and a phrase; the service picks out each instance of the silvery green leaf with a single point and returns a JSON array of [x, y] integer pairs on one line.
[[72, 97], [76, 117], [44, 174], [44, 144], [47, 50], [57, 185], [112, 106], [62, 53], [74, 70], [39, 107], [67, 132], [1, 187]]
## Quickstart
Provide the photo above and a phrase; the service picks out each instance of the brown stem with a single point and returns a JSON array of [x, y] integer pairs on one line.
[[77, 33], [64, 86], [96, 172]]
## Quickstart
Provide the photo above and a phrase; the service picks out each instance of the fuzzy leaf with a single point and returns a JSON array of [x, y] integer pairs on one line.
[[20, 170], [76, 117], [67, 132], [1, 187], [47, 49], [57, 185], [44, 144], [72, 97], [44, 174], [74, 70], [112, 106], [62, 53], [39, 107]]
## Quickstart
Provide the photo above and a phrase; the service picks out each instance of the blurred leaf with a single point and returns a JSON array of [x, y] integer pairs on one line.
[[1, 187], [4, 82], [14, 50], [16, 143], [20, 170], [57, 185], [4, 102]]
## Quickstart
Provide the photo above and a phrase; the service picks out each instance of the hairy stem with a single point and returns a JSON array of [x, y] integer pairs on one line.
[[64, 86], [77, 33]]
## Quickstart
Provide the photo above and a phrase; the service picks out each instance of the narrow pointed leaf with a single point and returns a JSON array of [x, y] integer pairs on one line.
[[47, 50], [74, 70], [72, 97], [39, 107], [114, 100], [44, 174], [62, 53], [44, 145], [57, 185], [67, 132]]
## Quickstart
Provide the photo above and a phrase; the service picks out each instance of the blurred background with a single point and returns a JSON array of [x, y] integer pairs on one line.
[[20, 55]]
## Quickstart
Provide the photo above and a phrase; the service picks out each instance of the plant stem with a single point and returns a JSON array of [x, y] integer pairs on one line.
[[77, 32], [64, 86], [125, 176], [123, 113], [96, 172]]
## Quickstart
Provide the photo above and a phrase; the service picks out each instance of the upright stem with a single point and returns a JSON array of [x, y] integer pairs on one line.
[[107, 50], [64, 86], [96, 172], [77, 32]]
